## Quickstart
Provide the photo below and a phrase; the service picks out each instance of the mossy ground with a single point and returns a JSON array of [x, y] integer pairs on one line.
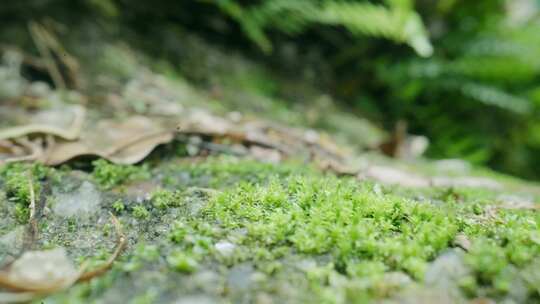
[[241, 231], [229, 230]]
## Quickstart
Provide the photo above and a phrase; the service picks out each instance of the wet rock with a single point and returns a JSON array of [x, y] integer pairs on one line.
[[465, 181], [12, 241], [393, 176], [140, 191], [50, 269], [516, 201], [81, 203], [517, 290], [208, 281], [448, 166], [196, 299], [225, 248], [397, 279], [446, 269], [239, 277], [462, 241], [424, 296], [445, 272]]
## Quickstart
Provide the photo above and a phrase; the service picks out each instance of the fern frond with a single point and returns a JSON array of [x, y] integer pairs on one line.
[[492, 96], [397, 22], [251, 28]]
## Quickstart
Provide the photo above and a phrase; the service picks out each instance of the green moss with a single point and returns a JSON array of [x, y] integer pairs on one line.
[[140, 212], [182, 261], [118, 206], [16, 179], [178, 232], [109, 175], [505, 243], [163, 199], [325, 215], [225, 171], [355, 235]]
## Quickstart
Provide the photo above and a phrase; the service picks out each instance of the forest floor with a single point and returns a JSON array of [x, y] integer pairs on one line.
[[214, 190]]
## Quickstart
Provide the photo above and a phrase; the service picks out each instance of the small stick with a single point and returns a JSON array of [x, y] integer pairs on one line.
[[37, 34], [121, 244], [32, 230]]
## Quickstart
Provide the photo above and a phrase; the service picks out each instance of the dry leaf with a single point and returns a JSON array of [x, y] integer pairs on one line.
[[124, 142], [393, 176], [65, 122], [265, 155], [465, 181], [285, 141], [517, 202]]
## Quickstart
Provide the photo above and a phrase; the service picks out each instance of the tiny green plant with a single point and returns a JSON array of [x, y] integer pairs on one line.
[[118, 206], [109, 175], [163, 199], [182, 261], [140, 212]]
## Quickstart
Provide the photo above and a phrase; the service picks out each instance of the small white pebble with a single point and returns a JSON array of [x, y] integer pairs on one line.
[[225, 248]]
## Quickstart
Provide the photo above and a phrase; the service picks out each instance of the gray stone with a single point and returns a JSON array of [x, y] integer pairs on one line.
[[81, 203]]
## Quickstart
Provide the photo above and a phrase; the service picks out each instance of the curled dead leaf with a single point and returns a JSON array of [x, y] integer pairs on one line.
[[396, 176], [65, 122], [122, 142], [259, 136]]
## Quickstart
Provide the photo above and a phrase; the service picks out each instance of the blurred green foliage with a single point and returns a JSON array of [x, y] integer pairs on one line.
[[464, 73]]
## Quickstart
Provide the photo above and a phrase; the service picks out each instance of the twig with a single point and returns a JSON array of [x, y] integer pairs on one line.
[[120, 245], [38, 36], [35, 148]]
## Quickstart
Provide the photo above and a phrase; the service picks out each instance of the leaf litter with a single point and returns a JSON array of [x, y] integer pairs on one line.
[[147, 118]]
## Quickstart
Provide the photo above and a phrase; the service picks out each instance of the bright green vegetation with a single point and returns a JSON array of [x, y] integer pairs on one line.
[[367, 234], [337, 240], [326, 215], [232, 230], [163, 199], [182, 261], [118, 206], [109, 175], [140, 212], [16, 179], [220, 172]]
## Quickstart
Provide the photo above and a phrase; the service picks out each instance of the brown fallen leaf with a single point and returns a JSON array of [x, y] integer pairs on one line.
[[122, 142], [517, 202], [394, 176], [465, 181], [265, 154], [65, 122], [285, 141], [402, 145], [23, 149]]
